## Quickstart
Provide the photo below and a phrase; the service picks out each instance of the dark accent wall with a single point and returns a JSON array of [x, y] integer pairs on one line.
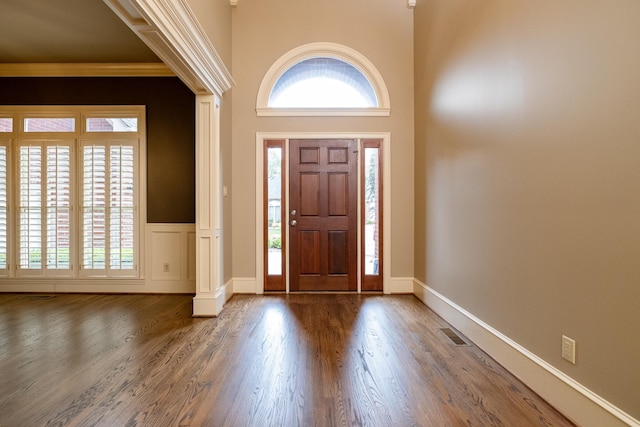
[[170, 109]]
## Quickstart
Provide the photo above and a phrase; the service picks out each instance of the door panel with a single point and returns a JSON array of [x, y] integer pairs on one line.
[[323, 230], [310, 194]]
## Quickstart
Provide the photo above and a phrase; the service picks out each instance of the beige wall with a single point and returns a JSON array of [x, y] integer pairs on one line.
[[528, 176], [263, 31], [215, 18]]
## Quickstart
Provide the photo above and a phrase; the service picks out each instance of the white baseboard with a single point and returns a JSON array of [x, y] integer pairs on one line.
[[211, 306], [122, 286], [228, 288], [205, 306], [567, 395], [245, 285], [399, 285]]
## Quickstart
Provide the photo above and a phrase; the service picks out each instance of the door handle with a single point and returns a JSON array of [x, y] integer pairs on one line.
[[293, 212], [293, 222]]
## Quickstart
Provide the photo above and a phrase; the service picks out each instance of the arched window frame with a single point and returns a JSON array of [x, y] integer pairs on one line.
[[316, 50]]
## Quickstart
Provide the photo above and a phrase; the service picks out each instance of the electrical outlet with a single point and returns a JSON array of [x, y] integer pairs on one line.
[[165, 267], [569, 349]]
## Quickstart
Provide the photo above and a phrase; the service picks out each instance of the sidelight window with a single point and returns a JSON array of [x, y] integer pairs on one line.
[[274, 238], [372, 215]]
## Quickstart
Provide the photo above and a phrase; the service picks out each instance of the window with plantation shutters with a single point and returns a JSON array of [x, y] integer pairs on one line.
[[69, 192], [108, 208], [44, 208]]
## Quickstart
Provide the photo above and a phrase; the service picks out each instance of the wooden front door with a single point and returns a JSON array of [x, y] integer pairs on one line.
[[323, 214]]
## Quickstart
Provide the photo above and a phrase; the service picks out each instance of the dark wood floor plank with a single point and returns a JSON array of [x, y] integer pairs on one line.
[[283, 360]]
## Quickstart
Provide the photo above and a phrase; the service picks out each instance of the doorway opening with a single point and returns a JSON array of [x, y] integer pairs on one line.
[[322, 214]]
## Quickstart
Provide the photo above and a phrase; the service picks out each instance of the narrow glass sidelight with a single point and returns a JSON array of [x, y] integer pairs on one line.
[[372, 215], [274, 210], [274, 234]]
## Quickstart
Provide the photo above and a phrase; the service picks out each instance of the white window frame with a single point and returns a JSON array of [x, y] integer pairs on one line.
[[12, 141], [330, 50], [107, 271]]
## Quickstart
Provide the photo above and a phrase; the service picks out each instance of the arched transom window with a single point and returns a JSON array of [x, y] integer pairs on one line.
[[322, 83], [322, 79]]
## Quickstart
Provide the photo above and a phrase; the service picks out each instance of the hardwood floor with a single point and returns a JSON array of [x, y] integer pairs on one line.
[[298, 360]]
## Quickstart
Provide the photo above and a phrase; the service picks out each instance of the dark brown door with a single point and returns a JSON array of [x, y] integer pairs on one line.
[[323, 215]]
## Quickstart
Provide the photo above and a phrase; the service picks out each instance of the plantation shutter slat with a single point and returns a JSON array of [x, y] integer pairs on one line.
[[94, 208], [4, 206], [30, 210], [58, 208]]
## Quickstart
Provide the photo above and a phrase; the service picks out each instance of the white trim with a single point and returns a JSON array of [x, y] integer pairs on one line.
[[228, 288], [79, 136], [563, 392], [322, 112], [202, 306], [173, 245], [171, 30], [210, 293], [211, 306], [86, 70], [323, 49], [388, 286], [245, 285], [400, 285], [107, 286]]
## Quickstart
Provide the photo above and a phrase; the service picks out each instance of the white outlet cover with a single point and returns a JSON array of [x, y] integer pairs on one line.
[[569, 349]]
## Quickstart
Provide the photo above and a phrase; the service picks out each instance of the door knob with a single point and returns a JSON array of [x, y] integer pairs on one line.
[[293, 222], [293, 212]]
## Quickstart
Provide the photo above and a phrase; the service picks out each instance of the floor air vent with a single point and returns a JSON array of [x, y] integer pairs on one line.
[[455, 338]]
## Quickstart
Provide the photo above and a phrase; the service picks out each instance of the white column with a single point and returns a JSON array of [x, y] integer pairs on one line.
[[210, 294]]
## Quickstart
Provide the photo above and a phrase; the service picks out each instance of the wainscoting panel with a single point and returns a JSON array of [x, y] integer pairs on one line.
[[171, 257]]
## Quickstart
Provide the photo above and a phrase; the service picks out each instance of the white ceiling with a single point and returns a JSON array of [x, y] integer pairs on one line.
[[67, 31]]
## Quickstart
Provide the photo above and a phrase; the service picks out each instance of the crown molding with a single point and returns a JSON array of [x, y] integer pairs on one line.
[[85, 70], [172, 31]]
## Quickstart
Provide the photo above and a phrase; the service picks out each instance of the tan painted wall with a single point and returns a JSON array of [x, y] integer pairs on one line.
[[263, 31], [215, 18], [528, 176]]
